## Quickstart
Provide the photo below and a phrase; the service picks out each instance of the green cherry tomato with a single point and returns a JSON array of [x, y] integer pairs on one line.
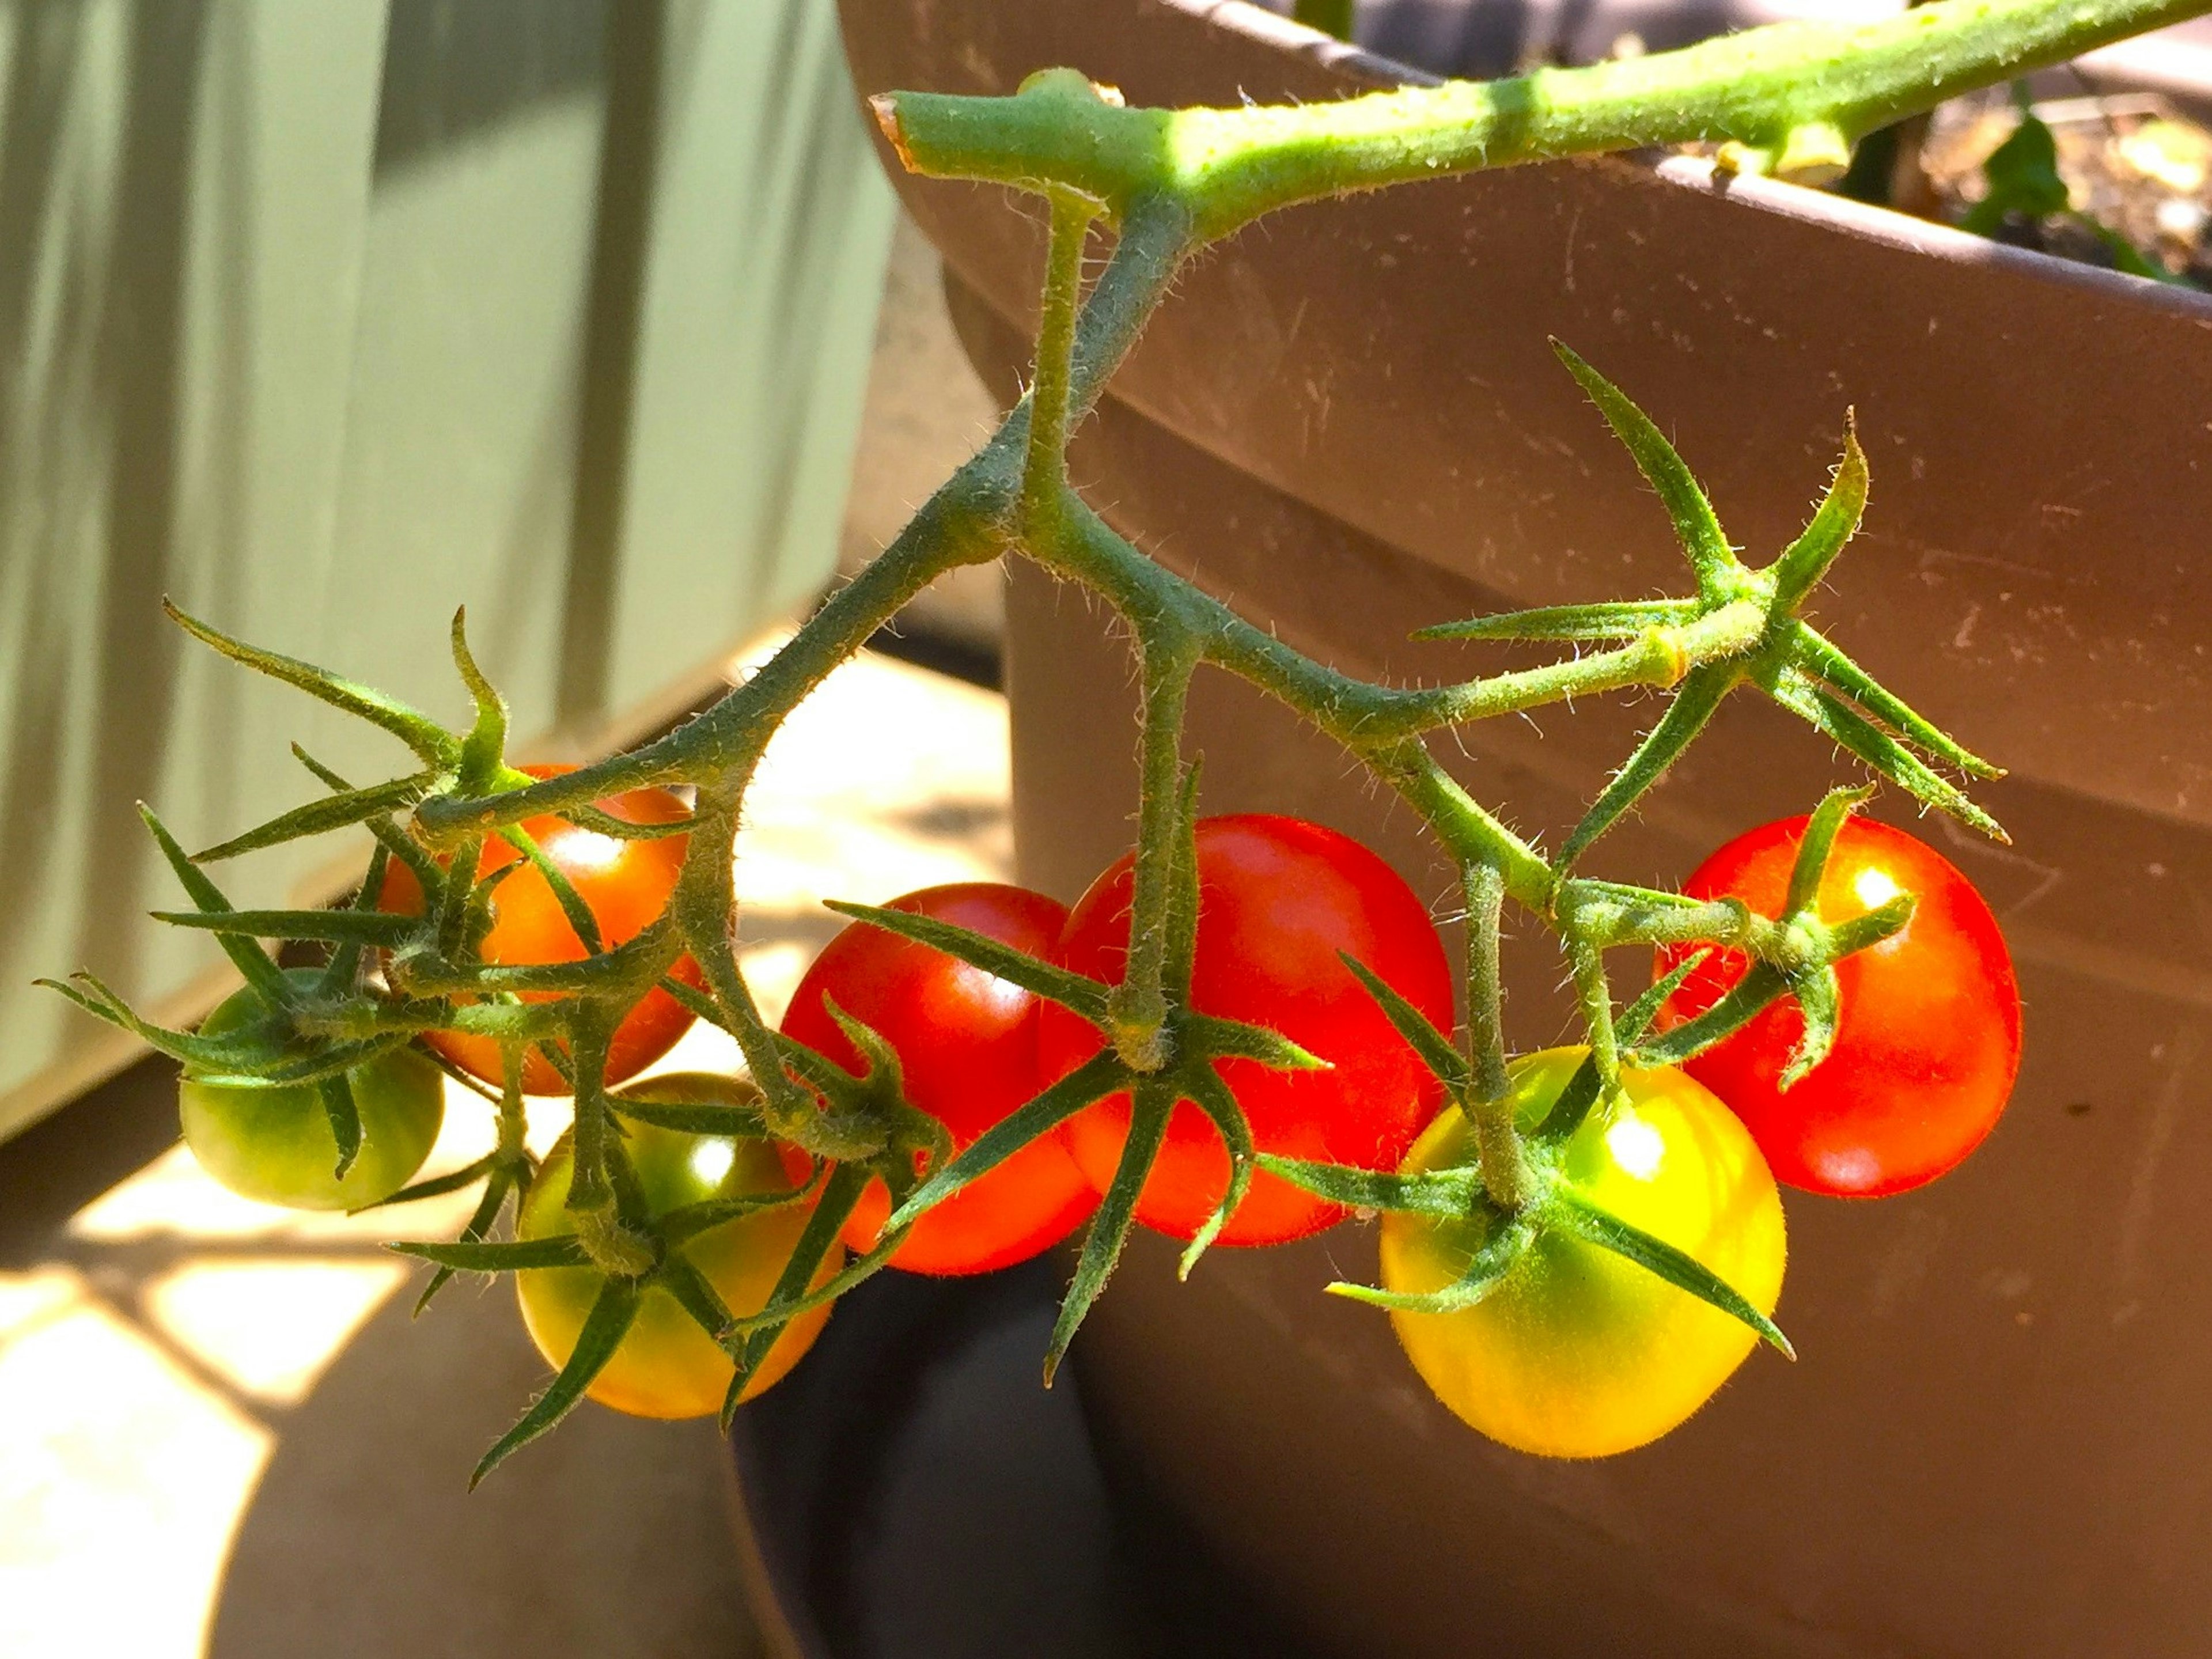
[[1579, 1353], [666, 1366], [274, 1143]]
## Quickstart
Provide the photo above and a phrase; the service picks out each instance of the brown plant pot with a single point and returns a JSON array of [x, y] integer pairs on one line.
[[1347, 422]]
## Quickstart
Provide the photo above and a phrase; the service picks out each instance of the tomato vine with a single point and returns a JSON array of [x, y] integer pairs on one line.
[[1790, 100]]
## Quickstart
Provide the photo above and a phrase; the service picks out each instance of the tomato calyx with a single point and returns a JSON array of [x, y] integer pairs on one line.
[[1188, 1043]]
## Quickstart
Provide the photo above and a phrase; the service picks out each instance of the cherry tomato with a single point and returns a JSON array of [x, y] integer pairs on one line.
[[275, 1143], [967, 1047], [625, 884], [666, 1366], [1577, 1351], [1278, 899], [1928, 1037]]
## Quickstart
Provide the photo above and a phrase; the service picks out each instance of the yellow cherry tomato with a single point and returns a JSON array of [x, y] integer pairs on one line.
[[666, 1366], [1577, 1351]]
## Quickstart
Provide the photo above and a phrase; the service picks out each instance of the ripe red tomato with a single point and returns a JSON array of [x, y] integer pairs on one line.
[[1928, 1037], [967, 1046], [1278, 899], [626, 883]]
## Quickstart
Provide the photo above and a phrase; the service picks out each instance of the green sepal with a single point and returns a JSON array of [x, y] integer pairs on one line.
[[696, 1294], [1582, 1091], [607, 823], [483, 752], [1152, 1102], [320, 818], [1820, 658], [430, 741], [1696, 700], [1798, 569], [854, 1271], [1819, 998], [253, 963], [1574, 1215], [605, 1326], [1434, 1047], [1844, 726], [572, 902], [430, 875], [1695, 526], [1625, 619], [376, 927], [1486, 1270], [840, 1193], [1212, 1096], [692, 1219], [1097, 1078], [202, 1055], [437, 1186], [479, 1224], [1817, 843], [477, 1256], [695, 1117], [1226, 1038], [336, 1093], [1086, 997], [1743, 1002], [1445, 1193]]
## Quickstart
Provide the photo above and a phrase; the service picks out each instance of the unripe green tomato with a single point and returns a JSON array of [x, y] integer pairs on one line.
[[666, 1366], [1579, 1351], [275, 1143]]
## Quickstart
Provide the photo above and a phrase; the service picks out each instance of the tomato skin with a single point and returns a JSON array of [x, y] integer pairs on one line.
[[626, 884], [967, 1047], [1579, 1353], [275, 1143], [1279, 898], [1927, 1038], [666, 1366]]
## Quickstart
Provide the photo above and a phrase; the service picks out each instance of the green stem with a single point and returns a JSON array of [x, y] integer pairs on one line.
[[1138, 1010], [1793, 97], [1044, 465]]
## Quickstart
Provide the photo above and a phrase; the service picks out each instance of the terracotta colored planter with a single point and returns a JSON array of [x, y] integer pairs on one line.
[[1347, 421]]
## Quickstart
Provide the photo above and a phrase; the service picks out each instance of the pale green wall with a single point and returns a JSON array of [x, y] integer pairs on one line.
[[327, 316]]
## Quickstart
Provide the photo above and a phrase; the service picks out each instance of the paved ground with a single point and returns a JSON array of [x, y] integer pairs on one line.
[[222, 1433]]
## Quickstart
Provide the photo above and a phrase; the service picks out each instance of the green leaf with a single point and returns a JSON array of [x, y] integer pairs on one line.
[[605, 1326], [1623, 620], [1572, 1214], [1695, 526], [429, 740], [1451, 1193], [1085, 996], [1486, 1269], [1805, 561], [2021, 176], [1434, 1047]]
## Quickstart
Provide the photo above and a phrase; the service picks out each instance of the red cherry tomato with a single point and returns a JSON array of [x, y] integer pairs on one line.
[[1927, 1038], [625, 884], [967, 1047], [1278, 899]]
